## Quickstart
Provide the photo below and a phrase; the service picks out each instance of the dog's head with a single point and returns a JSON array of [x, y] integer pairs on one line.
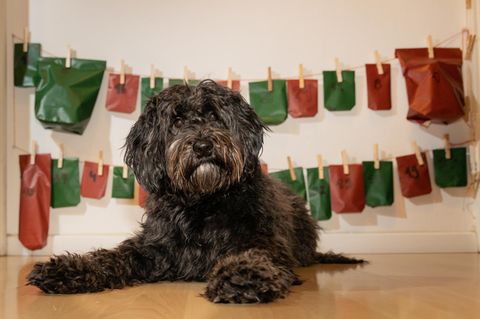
[[194, 140]]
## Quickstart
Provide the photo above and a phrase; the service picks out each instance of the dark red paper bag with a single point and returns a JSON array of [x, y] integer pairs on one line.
[[235, 84], [434, 85], [347, 192], [93, 185], [35, 191], [122, 97], [302, 102], [142, 196], [378, 87], [414, 179]]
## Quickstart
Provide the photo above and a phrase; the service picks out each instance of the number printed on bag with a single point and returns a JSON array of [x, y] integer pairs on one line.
[[28, 191], [322, 190], [120, 88], [412, 171], [61, 177], [344, 183], [93, 176]]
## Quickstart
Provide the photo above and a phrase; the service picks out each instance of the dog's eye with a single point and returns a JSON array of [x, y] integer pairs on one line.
[[178, 122], [212, 117]]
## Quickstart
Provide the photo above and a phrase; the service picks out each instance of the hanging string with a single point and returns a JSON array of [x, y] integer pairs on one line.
[[15, 146], [14, 124], [306, 75]]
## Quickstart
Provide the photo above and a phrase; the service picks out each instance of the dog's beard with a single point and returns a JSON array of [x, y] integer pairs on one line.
[[207, 178], [192, 174]]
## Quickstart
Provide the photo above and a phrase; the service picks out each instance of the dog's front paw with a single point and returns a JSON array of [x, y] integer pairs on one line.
[[59, 275], [248, 278]]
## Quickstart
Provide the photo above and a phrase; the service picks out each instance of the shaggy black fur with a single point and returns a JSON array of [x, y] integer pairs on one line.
[[211, 214]]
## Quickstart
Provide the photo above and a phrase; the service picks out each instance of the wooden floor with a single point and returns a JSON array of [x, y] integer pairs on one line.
[[391, 286]]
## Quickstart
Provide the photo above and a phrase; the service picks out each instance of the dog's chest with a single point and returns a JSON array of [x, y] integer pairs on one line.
[[204, 240], [214, 235]]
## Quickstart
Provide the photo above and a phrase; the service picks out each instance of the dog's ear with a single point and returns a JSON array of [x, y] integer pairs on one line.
[[238, 115], [249, 127], [145, 148]]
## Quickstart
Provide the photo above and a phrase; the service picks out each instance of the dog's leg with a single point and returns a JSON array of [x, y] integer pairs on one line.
[[249, 277], [95, 271]]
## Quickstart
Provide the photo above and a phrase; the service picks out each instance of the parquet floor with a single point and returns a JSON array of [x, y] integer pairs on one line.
[[391, 286]]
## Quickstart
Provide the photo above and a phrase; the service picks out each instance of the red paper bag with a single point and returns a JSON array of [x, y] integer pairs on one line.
[[302, 102], [122, 97], [378, 87], [35, 191], [347, 192], [142, 196], [414, 179], [235, 84], [434, 85], [93, 185]]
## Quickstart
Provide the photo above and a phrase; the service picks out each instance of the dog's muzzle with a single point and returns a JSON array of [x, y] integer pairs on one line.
[[204, 163]]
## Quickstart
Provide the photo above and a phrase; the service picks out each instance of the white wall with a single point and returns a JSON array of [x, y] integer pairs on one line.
[[209, 36], [473, 20], [3, 129]]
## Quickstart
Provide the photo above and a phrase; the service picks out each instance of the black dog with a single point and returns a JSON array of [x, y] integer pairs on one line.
[[211, 214]]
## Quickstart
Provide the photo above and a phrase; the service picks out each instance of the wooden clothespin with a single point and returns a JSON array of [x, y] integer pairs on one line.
[[448, 152], [33, 152], [269, 79], [122, 72], [465, 36], [26, 39], [229, 78], [60, 156], [301, 80], [430, 47], [376, 160], [100, 164], [474, 150], [346, 169], [68, 58], [378, 61], [152, 76], [320, 166], [125, 171], [470, 44], [426, 124], [338, 67], [291, 169], [468, 4], [185, 75], [418, 154]]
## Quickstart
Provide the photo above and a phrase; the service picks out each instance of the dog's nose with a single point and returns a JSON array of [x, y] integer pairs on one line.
[[203, 147]]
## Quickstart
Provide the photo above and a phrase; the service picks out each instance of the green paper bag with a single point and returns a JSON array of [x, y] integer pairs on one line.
[[172, 82], [123, 187], [319, 194], [65, 97], [65, 184], [339, 96], [450, 172], [298, 186], [378, 184], [25, 64], [270, 106], [148, 92]]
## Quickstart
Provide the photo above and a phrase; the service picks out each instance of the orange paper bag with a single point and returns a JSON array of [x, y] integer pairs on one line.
[[347, 191], [35, 192], [122, 97], [93, 185]]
